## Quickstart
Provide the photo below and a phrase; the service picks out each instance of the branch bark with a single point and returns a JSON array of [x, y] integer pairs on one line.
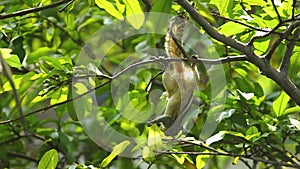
[[280, 78], [32, 10], [288, 53], [282, 37]]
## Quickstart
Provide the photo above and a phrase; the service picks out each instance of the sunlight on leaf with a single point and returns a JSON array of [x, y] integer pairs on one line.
[[109, 8], [201, 160], [49, 160], [224, 6], [11, 59], [280, 104], [232, 28], [134, 13], [117, 150]]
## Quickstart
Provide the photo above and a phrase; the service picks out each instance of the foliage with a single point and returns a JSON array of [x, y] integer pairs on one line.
[[256, 114]]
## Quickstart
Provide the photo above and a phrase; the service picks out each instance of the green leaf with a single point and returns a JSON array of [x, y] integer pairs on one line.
[[224, 6], [291, 110], [162, 6], [121, 7], [59, 96], [243, 85], [70, 105], [252, 133], [50, 33], [205, 12], [35, 55], [255, 2], [118, 149], [109, 8], [233, 133], [11, 60], [134, 13], [232, 28], [49, 160], [52, 61], [148, 154], [280, 104], [294, 67], [16, 44]]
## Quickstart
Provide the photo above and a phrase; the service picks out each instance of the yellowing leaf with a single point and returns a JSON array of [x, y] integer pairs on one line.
[[134, 13]]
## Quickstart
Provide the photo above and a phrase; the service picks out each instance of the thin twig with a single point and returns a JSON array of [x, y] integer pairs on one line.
[[148, 5], [66, 5], [212, 31], [239, 22], [32, 10], [8, 74], [288, 53], [22, 156], [78, 42], [270, 52], [276, 10], [220, 153], [272, 31], [110, 78], [154, 77], [57, 104], [283, 81], [293, 10]]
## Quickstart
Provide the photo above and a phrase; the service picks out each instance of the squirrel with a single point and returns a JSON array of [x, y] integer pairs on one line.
[[179, 79]]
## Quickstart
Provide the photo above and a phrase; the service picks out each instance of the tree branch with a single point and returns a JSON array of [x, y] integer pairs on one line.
[[269, 54], [8, 74], [273, 31], [288, 53], [66, 5], [220, 153], [110, 78], [239, 22], [282, 80], [214, 151], [210, 30], [277, 13], [22, 156], [32, 10]]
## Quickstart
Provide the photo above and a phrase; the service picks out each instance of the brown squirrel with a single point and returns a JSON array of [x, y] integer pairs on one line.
[[179, 79]]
